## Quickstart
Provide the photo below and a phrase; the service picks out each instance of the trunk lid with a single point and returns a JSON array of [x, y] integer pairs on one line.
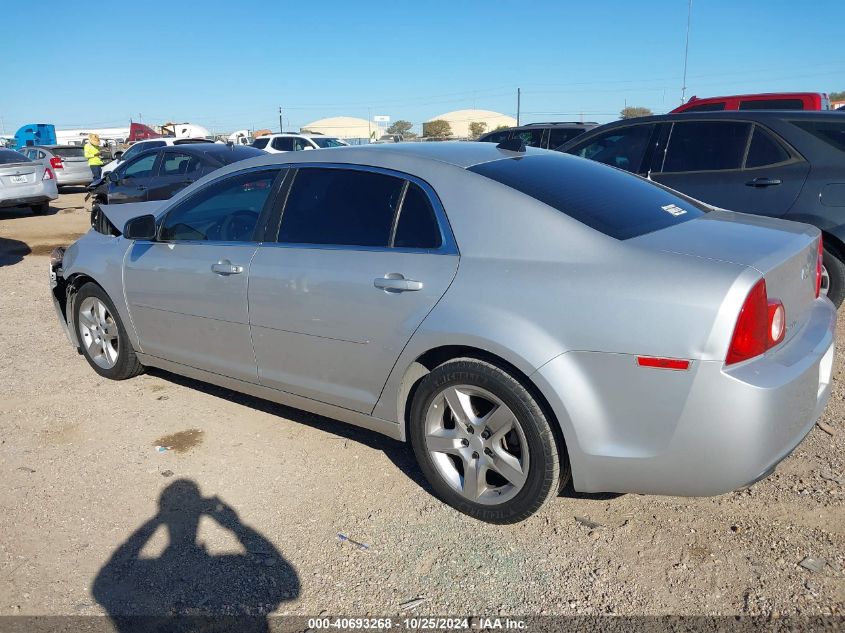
[[20, 174], [784, 253]]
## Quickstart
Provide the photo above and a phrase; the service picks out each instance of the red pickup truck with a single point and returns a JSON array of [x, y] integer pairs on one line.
[[764, 101]]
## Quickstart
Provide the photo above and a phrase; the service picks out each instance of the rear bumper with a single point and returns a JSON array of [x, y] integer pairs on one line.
[[29, 194], [700, 432]]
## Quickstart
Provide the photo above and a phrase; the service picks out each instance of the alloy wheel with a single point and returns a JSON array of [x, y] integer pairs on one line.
[[98, 332]]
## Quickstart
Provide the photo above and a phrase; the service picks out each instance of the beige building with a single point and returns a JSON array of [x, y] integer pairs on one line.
[[459, 120], [345, 127]]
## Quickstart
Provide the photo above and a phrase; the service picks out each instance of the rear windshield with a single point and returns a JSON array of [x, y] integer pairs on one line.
[[11, 156], [68, 152], [260, 143], [609, 200], [831, 132]]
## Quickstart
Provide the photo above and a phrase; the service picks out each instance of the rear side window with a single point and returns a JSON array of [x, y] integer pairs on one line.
[[765, 150], [622, 147], [68, 152], [174, 164], [417, 226], [260, 143], [831, 132], [10, 156], [706, 146], [772, 104], [716, 106], [559, 136], [611, 201], [340, 206]]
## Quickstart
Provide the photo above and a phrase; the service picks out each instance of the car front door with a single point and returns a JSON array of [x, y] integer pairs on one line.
[[130, 181], [187, 290], [735, 165], [176, 171], [362, 256]]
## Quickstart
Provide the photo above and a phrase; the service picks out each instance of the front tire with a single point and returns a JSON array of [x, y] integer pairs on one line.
[[484, 443], [833, 276], [102, 337]]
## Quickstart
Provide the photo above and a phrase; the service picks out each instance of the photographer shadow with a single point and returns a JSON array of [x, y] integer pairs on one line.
[[186, 588]]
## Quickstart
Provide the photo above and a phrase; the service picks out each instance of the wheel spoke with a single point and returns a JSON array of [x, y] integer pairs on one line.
[[109, 352], [102, 314], [87, 319], [499, 421], [459, 404], [475, 479], [508, 466], [443, 441]]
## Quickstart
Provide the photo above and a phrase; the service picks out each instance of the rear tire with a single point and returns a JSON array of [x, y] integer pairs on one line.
[[40, 209], [102, 337], [835, 269], [472, 458]]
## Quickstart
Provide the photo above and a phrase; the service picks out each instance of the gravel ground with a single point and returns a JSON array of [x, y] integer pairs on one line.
[[254, 496]]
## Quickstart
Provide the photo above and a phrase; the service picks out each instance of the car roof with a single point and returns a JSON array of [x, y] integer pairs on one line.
[[745, 115], [48, 147]]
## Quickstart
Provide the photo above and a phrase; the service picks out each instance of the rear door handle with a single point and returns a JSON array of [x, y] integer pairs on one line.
[[396, 282], [763, 182], [225, 267]]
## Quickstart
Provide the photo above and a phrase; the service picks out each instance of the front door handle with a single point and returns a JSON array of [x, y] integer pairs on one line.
[[763, 182], [396, 282], [225, 267]]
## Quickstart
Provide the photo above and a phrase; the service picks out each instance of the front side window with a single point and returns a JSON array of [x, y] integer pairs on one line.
[[227, 211], [531, 138], [141, 167], [174, 164], [283, 143], [623, 147], [830, 132], [559, 136], [706, 146], [497, 137], [764, 150], [300, 144], [340, 206]]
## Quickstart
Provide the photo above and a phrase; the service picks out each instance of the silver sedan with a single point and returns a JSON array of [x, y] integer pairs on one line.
[[522, 317], [24, 183]]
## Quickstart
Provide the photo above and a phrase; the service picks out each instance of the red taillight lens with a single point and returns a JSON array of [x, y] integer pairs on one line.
[[48, 175], [819, 266], [760, 326], [56, 162]]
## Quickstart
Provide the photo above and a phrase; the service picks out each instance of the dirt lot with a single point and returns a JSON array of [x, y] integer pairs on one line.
[[267, 489]]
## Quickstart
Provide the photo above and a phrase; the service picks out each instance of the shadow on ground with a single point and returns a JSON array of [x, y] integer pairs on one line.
[[12, 251], [10, 213], [185, 588]]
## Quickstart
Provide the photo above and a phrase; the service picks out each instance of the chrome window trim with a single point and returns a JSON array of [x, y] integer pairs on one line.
[[448, 245]]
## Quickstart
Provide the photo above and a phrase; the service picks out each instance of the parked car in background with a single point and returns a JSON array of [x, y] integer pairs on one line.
[[68, 163], [140, 146], [290, 142], [158, 173], [763, 101], [782, 164], [26, 183], [519, 316], [542, 135]]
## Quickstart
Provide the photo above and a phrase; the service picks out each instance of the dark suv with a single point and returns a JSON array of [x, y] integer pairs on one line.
[[786, 164], [543, 135]]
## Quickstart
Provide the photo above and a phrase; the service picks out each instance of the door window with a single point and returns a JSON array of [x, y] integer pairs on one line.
[[300, 144], [829, 131], [174, 164], [772, 104], [497, 137], [417, 226], [706, 146], [764, 150], [716, 106], [260, 143], [141, 167], [559, 136], [623, 147], [227, 211], [532, 138], [340, 206], [283, 143]]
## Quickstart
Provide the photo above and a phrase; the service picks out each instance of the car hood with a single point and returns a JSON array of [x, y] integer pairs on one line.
[[120, 214]]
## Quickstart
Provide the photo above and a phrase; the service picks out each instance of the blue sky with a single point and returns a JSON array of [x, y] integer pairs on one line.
[[229, 64]]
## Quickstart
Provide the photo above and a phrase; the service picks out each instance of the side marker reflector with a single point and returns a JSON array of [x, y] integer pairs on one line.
[[678, 364]]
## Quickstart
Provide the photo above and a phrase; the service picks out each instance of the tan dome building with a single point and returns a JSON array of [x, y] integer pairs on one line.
[[345, 127], [459, 120]]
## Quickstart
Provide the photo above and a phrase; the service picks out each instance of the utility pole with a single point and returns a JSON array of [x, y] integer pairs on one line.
[[686, 52], [518, 100], [280, 120]]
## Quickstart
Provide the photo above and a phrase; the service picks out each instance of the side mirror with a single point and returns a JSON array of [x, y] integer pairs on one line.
[[141, 228], [117, 155]]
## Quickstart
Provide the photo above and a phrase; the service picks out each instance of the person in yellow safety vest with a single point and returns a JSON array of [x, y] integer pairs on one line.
[[92, 153]]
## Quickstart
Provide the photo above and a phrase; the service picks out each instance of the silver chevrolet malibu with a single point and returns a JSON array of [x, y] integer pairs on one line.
[[522, 317]]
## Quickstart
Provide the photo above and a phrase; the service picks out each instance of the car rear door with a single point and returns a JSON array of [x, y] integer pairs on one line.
[[735, 165], [362, 256], [187, 291], [176, 170]]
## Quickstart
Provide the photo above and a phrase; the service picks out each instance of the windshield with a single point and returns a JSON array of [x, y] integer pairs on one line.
[[10, 156], [327, 142], [609, 200]]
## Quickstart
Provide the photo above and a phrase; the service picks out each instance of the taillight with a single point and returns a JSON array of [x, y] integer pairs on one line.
[[760, 326], [56, 162], [48, 175], [819, 267]]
